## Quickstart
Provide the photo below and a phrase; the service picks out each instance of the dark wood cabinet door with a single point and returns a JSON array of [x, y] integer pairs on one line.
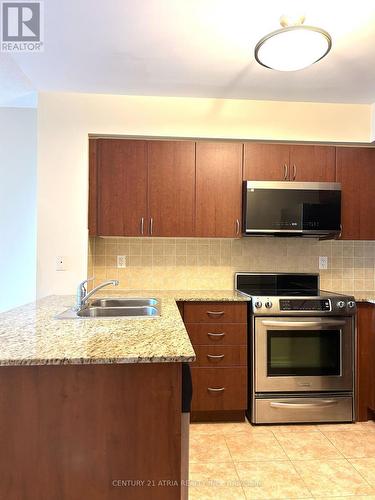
[[365, 361], [218, 189], [312, 163], [266, 162], [93, 188], [355, 170], [171, 187], [122, 187]]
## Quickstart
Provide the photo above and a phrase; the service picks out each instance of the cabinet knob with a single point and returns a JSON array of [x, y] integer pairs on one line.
[[142, 225], [151, 225]]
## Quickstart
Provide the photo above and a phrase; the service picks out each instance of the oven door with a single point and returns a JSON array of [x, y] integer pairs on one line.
[[303, 354]]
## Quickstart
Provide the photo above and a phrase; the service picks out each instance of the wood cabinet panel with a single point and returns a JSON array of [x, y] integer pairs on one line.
[[171, 187], [355, 170], [218, 356], [217, 334], [312, 163], [68, 432], [93, 188], [215, 312], [266, 162], [122, 187], [283, 162], [218, 189], [231, 385], [365, 386]]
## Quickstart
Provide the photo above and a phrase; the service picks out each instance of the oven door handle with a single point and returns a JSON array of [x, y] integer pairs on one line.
[[321, 404], [303, 324]]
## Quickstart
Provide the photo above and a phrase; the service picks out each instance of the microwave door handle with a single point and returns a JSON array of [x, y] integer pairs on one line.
[[319, 404], [302, 324]]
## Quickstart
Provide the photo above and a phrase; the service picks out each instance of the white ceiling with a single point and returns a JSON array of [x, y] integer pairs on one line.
[[201, 48]]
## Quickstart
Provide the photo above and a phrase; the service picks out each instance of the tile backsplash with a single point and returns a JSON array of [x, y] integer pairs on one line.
[[206, 264]]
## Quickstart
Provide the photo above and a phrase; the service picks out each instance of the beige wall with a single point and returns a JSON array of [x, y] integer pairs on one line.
[[197, 263], [65, 120]]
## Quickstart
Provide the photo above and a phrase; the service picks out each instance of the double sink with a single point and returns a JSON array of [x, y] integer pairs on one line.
[[115, 308]]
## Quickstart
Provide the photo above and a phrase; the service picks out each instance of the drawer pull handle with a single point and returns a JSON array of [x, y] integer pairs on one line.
[[215, 335], [215, 313], [217, 356], [213, 389]]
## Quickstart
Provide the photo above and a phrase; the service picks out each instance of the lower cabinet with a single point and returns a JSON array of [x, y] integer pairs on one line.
[[218, 332], [365, 379], [219, 389]]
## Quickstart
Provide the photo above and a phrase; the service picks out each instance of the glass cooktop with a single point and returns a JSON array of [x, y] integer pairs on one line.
[[265, 284]]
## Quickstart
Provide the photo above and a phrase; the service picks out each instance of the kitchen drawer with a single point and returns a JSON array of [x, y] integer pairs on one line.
[[302, 410], [215, 312], [212, 356], [217, 334], [230, 385]]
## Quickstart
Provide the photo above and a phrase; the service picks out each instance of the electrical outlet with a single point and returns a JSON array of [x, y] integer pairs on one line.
[[121, 261], [60, 263], [323, 262]]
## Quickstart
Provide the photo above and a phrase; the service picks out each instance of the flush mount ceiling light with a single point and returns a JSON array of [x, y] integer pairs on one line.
[[293, 47]]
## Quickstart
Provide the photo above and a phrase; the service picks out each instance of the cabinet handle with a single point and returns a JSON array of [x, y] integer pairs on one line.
[[215, 313], [217, 356], [151, 225], [294, 171], [216, 335], [237, 226], [214, 389], [142, 225], [285, 171]]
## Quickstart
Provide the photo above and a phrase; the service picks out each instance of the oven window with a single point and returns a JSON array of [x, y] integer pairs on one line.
[[303, 353]]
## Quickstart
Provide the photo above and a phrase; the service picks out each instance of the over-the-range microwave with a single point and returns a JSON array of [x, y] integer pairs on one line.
[[292, 209]]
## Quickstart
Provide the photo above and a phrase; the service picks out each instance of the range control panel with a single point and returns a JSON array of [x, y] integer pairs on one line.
[[335, 305], [305, 305]]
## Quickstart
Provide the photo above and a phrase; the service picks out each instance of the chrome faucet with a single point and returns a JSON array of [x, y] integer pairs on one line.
[[83, 295]]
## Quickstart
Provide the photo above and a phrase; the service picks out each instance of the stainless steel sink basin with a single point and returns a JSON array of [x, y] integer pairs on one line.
[[115, 308], [118, 302], [113, 312]]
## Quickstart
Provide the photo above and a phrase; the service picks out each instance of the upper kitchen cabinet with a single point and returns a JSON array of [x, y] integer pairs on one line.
[[312, 163], [218, 189], [121, 186], [141, 188], [171, 188], [282, 162], [266, 162], [355, 170]]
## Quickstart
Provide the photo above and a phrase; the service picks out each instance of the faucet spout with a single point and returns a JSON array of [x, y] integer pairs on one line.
[[83, 295]]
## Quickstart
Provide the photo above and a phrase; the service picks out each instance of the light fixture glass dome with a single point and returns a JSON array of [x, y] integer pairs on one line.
[[293, 47]]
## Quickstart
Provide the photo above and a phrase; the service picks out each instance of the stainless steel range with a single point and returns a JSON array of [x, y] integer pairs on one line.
[[302, 349]]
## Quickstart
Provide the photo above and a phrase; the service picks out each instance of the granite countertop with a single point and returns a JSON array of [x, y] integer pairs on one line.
[[368, 297], [30, 334], [363, 296]]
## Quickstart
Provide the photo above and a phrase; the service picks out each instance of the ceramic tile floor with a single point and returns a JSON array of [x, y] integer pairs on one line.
[[239, 461]]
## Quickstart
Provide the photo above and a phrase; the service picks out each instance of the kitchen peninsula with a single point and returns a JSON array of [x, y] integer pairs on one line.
[[94, 405]]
